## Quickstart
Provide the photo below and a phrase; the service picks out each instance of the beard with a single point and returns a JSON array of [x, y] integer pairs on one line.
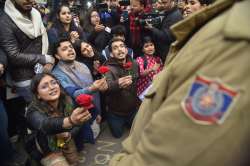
[[69, 61], [121, 60], [22, 10]]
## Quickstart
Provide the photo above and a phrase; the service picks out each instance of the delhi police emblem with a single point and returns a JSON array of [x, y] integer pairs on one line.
[[208, 101]]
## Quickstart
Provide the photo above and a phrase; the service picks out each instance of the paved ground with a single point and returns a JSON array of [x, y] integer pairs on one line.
[[97, 154], [106, 146]]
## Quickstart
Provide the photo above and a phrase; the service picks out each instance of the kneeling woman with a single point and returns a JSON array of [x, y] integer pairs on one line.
[[54, 121]]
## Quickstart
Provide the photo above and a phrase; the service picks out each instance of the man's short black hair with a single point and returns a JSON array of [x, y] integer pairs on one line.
[[118, 30], [146, 39], [114, 39], [58, 43]]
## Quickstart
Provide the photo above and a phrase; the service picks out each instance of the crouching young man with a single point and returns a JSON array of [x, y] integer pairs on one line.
[[121, 100]]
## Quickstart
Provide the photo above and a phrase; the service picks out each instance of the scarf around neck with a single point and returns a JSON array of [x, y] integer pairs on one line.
[[32, 28], [80, 75]]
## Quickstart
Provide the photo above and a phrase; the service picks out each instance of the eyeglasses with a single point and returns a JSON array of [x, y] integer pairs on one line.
[[47, 85], [96, 16]]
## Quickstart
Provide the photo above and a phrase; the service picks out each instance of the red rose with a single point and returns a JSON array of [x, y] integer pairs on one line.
[[127, 65], [103, 69], [85, 101]]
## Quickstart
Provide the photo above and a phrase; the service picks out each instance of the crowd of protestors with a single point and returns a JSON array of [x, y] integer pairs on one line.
[[52, 60]]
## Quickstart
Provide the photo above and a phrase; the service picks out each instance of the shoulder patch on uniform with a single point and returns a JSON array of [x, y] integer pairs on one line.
[[208, 101]]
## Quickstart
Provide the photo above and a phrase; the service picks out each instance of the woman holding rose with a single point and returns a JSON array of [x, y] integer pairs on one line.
[[54, 122]]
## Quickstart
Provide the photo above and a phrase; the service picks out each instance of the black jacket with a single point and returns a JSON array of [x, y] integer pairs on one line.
[[47, 122], [57, 32], [121, 101], [3, 57], [3, 61], [162, 35], [99, 39], [22, 52]]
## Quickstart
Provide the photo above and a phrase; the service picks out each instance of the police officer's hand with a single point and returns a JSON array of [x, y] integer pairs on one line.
[[124, 82]]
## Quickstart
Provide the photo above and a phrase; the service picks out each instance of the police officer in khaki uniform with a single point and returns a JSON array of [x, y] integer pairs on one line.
[[198, 108]]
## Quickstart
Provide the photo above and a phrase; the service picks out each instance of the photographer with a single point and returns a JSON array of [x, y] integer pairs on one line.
[[171, 15], [135, 30]]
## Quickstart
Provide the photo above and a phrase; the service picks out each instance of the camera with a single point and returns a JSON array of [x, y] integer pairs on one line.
[[76, 9], [153, 19], [124, 2]]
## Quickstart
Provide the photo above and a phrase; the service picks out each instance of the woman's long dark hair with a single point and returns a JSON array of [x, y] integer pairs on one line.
[[78, 52], [57, 24], [34, 89], [87, 26], [36, 81]]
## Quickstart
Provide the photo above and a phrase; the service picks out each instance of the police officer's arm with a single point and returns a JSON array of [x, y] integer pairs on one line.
[[169, 137]]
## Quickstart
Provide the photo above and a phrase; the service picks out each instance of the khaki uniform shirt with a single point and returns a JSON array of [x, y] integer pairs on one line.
[[170, 129]]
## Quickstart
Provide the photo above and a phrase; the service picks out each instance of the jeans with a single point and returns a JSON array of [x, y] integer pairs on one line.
[[6, 149], [117, 123]]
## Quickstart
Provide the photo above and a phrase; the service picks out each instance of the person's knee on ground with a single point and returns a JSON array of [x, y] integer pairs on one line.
[[116, 132]]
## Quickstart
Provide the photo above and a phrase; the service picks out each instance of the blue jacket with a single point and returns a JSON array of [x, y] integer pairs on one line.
[[74, 90]]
